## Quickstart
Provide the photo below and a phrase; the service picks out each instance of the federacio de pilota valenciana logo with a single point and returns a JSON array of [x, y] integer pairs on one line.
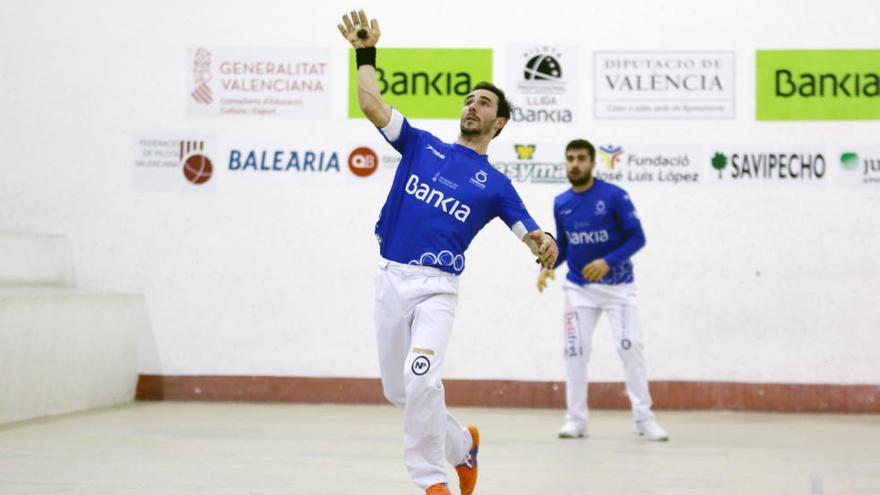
[[197, 168]]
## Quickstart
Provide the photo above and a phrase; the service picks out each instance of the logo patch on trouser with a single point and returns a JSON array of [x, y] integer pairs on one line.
[[421, 365], [573, 346]]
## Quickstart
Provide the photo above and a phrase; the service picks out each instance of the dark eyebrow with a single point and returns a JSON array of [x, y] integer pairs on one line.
[[482, 97]]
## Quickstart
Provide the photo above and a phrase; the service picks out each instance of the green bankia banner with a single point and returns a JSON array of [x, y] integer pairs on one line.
[[424, 82], [817, 85]]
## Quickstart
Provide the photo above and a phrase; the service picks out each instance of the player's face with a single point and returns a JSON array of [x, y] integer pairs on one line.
[[578, 166], [480, 114]]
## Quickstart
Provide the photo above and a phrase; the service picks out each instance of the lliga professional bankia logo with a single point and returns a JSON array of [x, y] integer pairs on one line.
[[540, 79]]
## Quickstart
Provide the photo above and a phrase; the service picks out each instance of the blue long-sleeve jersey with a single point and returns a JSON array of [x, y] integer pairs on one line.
[[600, 222], [441, 196]]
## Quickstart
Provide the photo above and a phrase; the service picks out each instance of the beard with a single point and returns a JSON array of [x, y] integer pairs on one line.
[[583, 180], [471, 131]]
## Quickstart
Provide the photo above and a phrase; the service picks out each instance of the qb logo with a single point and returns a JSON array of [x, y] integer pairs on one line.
[[421, 365], [363, 161]]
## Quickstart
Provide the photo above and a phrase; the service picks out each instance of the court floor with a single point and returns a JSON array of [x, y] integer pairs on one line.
[[234, 448]]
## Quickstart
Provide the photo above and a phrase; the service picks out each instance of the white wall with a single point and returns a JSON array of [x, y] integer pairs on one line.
[[64, 350], [274, 277]]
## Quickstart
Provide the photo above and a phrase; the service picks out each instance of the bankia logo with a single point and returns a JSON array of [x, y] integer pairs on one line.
[[435, 197], [424, 82], [817, 84]]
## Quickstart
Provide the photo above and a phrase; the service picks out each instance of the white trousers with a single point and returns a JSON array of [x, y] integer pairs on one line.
[[415, 308], [583, 306]]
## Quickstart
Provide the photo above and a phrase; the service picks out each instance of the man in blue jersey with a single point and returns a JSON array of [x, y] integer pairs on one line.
[[441, 196], [598, 231]]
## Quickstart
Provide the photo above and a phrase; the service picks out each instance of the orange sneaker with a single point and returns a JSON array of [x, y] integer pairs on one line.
[[437, 489], [467, 471]]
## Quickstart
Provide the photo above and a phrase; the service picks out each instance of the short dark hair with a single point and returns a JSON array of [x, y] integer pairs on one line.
[[503, 104], [582, 144]]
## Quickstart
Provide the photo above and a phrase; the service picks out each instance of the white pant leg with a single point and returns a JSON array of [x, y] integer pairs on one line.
[[624, 318], [458, 441], [579, 324], [393, 322], [424, 414], [415, 308]]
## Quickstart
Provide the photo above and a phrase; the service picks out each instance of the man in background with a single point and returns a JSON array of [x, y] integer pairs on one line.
[[598, 231]]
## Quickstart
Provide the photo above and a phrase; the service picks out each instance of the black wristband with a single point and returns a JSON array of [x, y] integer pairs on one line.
[[538, 260], [365, 56]]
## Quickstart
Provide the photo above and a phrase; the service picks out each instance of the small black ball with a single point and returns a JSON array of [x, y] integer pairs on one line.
[[362, 34]]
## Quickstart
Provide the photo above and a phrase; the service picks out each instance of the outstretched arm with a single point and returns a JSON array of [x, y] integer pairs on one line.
[[543, 246], [363, 36]]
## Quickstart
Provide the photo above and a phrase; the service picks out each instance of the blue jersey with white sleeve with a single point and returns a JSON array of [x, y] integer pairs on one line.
[[600, 222], [441, 196]]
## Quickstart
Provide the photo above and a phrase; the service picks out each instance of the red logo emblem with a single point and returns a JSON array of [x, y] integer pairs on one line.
[[197, 168], [363, 162]]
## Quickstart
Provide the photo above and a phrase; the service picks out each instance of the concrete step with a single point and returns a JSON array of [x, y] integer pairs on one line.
[[34, 260], [64, 350]]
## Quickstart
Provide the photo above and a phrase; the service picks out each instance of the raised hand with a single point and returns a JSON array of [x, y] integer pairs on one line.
[[359, 32]]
